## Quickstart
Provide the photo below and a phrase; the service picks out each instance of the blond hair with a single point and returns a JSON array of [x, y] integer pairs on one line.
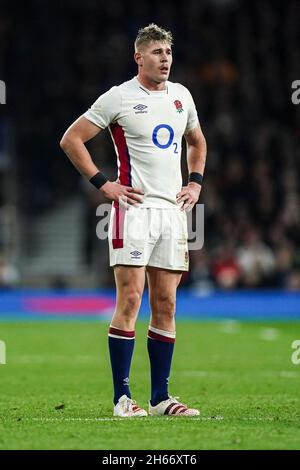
[[152, 32]]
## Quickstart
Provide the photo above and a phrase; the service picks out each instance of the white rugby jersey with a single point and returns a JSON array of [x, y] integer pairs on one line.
[[147, 128]]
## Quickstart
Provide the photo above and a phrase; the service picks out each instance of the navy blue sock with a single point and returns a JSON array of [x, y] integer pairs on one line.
[[160, 349], [121, 344]]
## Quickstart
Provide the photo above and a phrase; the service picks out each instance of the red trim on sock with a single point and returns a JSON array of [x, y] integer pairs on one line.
[[164, 339], [116, 331]]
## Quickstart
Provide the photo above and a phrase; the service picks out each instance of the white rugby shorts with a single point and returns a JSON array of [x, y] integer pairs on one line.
[[148, 237]]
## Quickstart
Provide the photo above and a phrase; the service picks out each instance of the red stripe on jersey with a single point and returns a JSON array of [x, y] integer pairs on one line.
[[115, 331], [164, 339], [124, 157], [118, 226], [125, 178]]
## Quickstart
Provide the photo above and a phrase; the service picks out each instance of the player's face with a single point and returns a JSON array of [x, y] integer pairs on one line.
[[155, 61]]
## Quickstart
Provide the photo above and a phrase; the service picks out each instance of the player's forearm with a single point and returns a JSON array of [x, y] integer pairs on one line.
[[79, 155], [196, 158], [196, 150]]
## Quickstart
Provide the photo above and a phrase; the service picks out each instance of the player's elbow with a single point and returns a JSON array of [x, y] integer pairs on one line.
[[65, 142], [62, 143]]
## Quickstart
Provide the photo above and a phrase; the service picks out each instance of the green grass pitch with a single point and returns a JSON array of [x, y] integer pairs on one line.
[[56, 390]]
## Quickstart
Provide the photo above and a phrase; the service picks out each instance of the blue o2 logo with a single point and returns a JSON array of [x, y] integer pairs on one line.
[[155, 139]]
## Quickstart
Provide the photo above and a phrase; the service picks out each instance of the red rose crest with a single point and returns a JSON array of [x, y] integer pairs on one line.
[[178, 105]]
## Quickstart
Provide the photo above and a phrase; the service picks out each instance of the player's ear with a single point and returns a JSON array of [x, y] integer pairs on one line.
[[138, 58]]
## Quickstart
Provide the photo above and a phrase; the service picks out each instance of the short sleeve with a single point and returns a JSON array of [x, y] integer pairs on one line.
[[106, 108], [192, 120]]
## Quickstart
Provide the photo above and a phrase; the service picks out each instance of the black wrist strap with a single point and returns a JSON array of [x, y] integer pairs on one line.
[[98, 180], [195, 178]]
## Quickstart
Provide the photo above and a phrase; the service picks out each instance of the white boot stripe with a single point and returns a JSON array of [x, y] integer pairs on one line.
[[168, 334]]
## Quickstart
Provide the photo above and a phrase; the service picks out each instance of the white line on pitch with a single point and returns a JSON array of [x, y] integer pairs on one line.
[[171, 418], [159, 419], [203, 418]]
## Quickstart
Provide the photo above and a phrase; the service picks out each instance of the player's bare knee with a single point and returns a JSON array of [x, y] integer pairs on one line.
[[131, 303], [164, 306]]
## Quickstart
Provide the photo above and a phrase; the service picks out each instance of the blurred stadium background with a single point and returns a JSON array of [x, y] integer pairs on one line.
[[239, 60]]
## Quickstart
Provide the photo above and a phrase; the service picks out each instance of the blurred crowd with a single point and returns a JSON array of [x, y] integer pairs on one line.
[[237, 58]]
